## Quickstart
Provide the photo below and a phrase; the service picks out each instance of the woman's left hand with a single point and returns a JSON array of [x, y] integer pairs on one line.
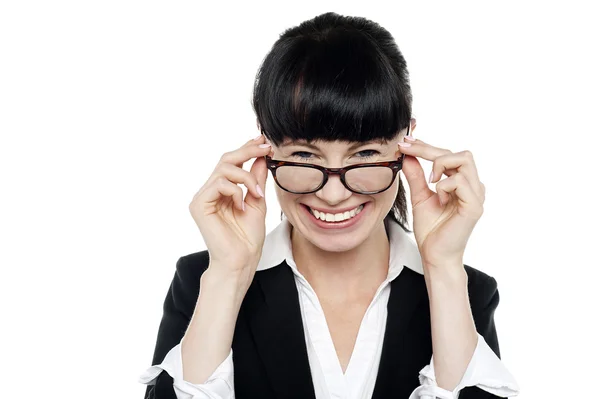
[[443, 219]]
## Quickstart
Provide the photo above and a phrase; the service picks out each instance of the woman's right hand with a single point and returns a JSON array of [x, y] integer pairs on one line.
[[233, 228]]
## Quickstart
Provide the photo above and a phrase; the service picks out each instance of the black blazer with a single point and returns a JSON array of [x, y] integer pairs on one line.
[[269, 350]]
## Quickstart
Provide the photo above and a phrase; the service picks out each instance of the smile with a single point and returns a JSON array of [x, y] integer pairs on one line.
[[337, 217], [336, 221]]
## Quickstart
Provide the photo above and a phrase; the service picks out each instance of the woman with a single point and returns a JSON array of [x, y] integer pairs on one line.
[[337, 301]]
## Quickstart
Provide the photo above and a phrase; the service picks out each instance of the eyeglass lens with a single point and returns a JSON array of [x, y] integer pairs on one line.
[[301, 179]]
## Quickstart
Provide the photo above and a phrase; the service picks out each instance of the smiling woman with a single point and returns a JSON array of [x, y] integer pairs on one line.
[[338, 300], [311, 89]]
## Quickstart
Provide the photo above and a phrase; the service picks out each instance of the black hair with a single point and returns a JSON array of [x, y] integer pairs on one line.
[[334, 78]]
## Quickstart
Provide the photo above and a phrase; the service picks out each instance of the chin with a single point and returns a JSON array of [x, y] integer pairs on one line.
[[339, 245]]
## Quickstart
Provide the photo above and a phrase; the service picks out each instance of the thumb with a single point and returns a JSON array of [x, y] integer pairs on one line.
[[413, 171], [260, 172]]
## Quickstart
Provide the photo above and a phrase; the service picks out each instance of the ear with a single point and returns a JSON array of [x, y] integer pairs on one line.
[[413, 124]]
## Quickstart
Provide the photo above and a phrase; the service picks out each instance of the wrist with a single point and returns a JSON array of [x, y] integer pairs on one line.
[[451, 275], [230, 283]]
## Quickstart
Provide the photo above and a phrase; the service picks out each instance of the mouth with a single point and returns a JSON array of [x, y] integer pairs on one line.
[[338, 220]]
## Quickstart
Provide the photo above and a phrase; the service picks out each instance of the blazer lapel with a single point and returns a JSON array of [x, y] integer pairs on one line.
[[278, 331], [407, 291]]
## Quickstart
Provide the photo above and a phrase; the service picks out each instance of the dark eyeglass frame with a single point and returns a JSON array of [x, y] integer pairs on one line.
[[395, 166]]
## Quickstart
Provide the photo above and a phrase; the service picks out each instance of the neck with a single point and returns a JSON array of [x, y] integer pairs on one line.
[[358, 271]]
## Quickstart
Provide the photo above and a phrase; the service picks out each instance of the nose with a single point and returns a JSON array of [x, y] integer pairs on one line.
[[334, 191]]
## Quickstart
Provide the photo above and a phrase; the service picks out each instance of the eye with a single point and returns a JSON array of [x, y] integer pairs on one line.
[[304, 155], [295, 155], [371, 152]]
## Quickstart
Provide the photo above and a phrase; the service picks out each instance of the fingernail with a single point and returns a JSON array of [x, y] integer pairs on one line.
[[409, 138], [257, 138], [243, 206], [265, 145], [404, 144], [260, 192]]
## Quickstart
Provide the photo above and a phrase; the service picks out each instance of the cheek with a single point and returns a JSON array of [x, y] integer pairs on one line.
[[388, 197], [280, 195], [286, 200]]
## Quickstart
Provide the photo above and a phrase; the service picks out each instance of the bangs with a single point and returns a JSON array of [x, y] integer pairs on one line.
[[338, 87]]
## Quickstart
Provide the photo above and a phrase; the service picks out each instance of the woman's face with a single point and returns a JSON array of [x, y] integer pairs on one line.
[[334, 197]]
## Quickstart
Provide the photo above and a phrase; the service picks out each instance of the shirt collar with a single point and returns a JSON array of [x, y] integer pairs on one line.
[[403, 250]]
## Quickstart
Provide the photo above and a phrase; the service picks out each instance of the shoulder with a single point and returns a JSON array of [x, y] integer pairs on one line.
[[193, 265], [185, 286], [483, 289]]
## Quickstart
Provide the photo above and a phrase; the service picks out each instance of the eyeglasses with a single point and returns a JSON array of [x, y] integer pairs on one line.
[[366, 178]]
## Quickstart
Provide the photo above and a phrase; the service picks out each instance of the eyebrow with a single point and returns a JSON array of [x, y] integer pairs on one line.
[[353, 146]]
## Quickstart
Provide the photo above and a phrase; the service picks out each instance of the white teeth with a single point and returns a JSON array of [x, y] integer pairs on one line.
[[329, 217]]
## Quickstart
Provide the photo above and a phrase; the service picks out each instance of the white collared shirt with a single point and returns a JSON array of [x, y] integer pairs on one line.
[[485, 369]]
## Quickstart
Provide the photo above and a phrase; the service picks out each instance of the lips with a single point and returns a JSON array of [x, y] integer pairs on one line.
[[336, 226], [336, 211]]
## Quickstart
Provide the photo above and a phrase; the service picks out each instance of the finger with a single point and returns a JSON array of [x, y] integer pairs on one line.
[[221, 187], [460, 162], [249, 150], [260, 139], [238, 176], [413, 171], [260, 172], [420, 149], [458, 185]]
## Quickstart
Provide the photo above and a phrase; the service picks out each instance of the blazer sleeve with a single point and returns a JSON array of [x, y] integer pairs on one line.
[[178, 309], [484, 298]]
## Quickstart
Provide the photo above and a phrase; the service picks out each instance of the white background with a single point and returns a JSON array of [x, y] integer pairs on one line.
[[113, 114]]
